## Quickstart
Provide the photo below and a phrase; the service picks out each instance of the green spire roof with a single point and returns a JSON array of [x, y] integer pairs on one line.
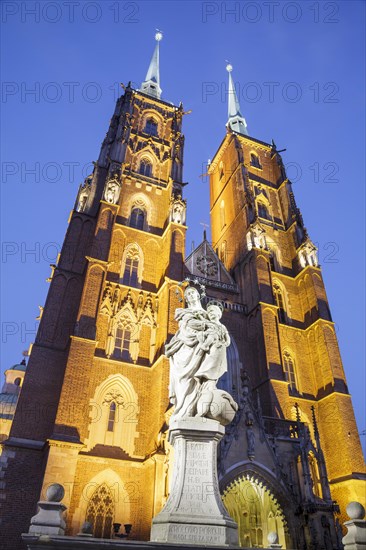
[[151, 84], [235, 119]]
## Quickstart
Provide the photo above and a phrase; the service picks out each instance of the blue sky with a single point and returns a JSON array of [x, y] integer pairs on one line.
[[299, 69]]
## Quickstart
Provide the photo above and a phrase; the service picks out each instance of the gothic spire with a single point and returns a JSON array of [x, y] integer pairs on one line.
[[151, 84], [235, 119]]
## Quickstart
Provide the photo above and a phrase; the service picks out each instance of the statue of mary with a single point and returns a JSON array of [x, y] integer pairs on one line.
[[197, 355]]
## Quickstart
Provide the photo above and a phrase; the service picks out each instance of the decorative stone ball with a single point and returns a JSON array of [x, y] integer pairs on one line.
[[272, 538], [355, 510], [55, 493]]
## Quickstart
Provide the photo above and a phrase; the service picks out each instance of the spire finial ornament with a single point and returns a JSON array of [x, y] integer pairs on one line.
[[151, 84], [235, 119]]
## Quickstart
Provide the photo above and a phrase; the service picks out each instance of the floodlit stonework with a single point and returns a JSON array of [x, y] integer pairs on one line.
[[100, 421]]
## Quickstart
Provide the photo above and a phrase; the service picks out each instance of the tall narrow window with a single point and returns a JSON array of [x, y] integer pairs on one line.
[[222, 214], [254, 161], [122, 344], [289, 370], [262, 211], [280, 303], [272, 261], [145, 168], [223, 252], [111, 417], [130, 275], [100, 512], [151, 127], [137, 218]]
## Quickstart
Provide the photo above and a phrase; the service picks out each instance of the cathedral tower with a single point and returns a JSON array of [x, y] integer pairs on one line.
[[288, 342], [96, 367]]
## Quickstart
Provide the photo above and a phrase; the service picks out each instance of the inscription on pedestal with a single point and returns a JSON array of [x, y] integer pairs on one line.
[[207, 534]]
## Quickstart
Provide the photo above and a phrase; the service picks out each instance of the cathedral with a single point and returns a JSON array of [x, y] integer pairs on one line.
[[93, 410]]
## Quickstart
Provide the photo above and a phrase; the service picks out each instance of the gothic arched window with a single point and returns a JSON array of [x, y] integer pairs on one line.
[[122, 343], [132, 266], [280, 302], [289, 370], [151, 127], [100, 512], [111, 416], [137, 218], [223, 252], [222, 214], [145, 168], [263, 211], [130, 275], [254, 161]]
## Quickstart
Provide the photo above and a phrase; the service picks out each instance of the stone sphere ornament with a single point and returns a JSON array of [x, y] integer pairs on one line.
[[355, 510], [55, 493]]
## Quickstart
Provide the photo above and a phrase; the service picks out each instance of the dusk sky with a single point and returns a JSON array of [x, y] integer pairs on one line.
[[300, 74]]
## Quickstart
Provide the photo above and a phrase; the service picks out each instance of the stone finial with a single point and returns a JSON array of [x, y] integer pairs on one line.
[[55, 493], [355, 510], [49, 520], [355, 539], [273, 540]]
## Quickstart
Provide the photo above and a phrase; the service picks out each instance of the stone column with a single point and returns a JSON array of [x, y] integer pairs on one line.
[[194, 512]]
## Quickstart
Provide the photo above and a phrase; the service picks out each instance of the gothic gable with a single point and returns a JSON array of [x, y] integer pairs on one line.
[[204, 262]]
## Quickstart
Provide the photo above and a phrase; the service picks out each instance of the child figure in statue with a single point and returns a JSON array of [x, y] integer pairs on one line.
[[215, 332]]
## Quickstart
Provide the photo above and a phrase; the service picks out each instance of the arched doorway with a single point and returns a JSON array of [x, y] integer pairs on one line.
[[256, 511]]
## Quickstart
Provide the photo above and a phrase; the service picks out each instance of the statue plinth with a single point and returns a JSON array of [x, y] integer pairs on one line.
[[194, 512]]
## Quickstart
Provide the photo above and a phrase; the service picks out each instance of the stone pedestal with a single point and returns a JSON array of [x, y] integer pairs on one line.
[[355, 538], [194, 512], [49, 519]]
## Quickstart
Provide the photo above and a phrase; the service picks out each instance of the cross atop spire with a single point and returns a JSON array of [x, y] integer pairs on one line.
[[151, 84], [235, 119]]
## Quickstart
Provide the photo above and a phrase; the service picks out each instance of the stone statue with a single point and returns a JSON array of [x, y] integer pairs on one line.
[[111, 193], [197, 354]]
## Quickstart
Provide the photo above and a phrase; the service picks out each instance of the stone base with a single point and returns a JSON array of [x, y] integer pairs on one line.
[[194, 512], [54, 542]]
